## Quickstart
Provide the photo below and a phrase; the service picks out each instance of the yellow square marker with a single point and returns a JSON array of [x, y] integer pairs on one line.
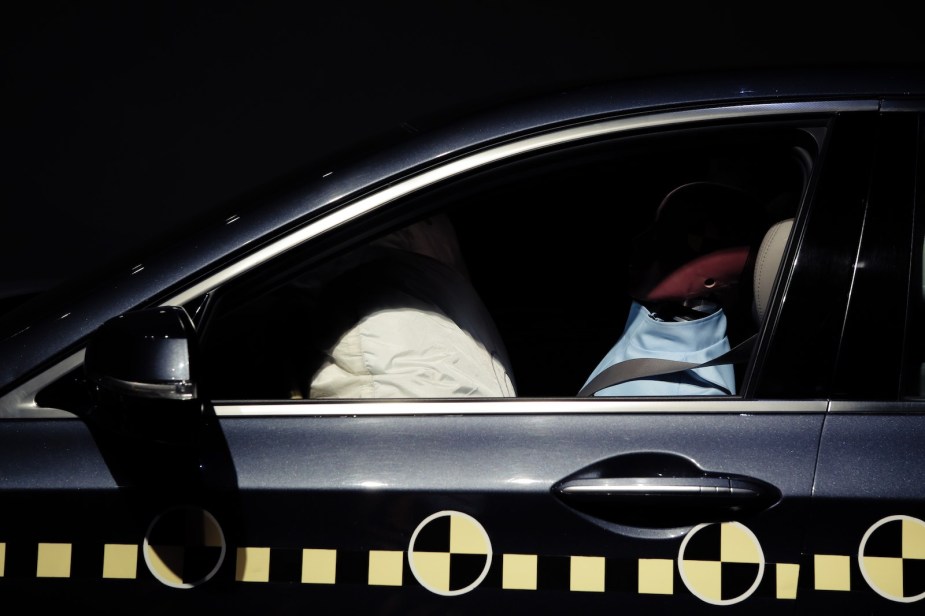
[[2, 558], [737, 545], [519, 572], [385, 567], [587, 574], [656, 576], [704, 578], [787, 577], [832, 572], [466, 536], [913, 539], [54, 560], [319, 566], [120, 561], [433, 569], [886, 574], [252, 565]]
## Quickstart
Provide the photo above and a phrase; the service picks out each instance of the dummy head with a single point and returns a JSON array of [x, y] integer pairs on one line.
[[699, 245]]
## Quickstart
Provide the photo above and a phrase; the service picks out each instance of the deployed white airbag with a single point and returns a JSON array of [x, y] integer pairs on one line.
[[411, 326]]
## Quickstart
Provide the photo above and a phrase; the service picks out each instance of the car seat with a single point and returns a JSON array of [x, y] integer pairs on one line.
[[767, 265]]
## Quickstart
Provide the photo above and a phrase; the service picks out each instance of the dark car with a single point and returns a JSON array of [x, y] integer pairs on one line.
[[438, 381]]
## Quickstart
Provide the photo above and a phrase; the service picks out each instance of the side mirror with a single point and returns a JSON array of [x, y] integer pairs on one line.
[[140, 367]]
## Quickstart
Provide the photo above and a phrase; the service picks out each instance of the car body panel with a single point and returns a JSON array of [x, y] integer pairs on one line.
[[496, 468]]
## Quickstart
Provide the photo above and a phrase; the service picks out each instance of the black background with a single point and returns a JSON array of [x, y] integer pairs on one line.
[[122, 119]]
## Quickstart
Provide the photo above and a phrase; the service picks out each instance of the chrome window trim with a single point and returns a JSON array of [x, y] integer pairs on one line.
[[877, 407], [517, 406], [21, 403], [496, 154]]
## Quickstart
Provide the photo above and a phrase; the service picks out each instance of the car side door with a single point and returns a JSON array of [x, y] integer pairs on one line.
[[455, 506]]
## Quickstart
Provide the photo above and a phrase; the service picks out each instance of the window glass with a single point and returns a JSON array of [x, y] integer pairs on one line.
[[913, 385], [885, 272], [525, 279], [914, 381]]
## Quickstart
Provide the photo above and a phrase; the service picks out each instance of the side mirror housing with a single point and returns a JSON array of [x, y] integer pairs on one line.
[[140, 367]]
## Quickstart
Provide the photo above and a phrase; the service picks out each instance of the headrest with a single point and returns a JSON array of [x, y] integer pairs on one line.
[[699, 243], [767, 264]]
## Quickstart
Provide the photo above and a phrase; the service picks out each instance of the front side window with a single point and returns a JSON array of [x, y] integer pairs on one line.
[[529, 279]]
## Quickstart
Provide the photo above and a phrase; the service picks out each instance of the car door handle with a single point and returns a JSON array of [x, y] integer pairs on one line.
[[662, 490], [634, 488], [666, 501]]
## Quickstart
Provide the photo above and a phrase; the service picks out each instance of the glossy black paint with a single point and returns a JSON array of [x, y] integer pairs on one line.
[[146, 346]]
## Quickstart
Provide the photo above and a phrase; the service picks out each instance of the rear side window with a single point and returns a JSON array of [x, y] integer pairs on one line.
[[881, 352]]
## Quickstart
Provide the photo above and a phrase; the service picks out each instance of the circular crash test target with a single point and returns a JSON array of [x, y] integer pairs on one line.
[[721, 563], [892, 558], [449, 553], [184, 547]]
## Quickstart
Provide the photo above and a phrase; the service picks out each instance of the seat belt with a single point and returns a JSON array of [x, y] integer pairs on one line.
[[644, 367]]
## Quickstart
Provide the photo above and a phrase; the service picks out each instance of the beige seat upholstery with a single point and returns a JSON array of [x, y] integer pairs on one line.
[[767, 265]]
